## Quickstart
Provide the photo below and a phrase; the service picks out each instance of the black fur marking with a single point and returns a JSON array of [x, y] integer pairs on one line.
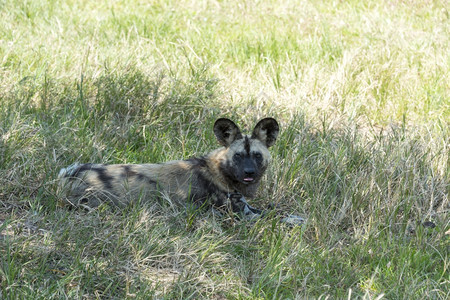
[[80, 169], [127, 172], [259, 160], [99, 169], [237, 206], [247, 145], [198, 162], [104, 177], [142, 177], [227, 170], [256, 210], [208, 189]]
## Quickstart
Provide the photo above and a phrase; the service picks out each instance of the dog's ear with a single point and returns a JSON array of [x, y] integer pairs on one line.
[[226, 131], [266, 131]]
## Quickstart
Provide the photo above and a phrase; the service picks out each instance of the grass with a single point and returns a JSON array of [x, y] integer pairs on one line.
[[360, 89]]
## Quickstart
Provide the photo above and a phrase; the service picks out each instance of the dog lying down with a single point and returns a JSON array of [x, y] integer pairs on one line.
[[222, 179]]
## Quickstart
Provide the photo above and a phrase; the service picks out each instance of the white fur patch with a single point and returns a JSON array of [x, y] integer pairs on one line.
[[69, 171]]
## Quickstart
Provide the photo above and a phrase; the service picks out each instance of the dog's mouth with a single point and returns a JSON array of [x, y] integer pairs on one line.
[[249, 179]]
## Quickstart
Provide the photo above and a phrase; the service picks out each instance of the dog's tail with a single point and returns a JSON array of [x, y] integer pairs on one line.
[[70, 171]]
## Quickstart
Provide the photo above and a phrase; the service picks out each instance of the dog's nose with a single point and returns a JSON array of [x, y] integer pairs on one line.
[[249, 171]]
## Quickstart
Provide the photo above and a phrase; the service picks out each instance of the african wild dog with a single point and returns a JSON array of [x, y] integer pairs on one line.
[[222, 178]]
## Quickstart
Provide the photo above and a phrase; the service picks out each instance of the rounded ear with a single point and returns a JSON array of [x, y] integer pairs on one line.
[[226, 131], [266, 131]]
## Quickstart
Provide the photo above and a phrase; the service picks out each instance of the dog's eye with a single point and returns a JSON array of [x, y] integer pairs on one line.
[[258, 155], [237, 155]]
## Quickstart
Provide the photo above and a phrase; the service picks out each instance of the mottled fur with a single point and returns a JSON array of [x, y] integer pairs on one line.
[[222, 178]]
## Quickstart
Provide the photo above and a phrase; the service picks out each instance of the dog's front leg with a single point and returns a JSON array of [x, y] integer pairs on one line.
[[240, 206], [251, 213]]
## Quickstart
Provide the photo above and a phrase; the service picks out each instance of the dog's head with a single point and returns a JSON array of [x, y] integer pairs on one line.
[[246, 157]]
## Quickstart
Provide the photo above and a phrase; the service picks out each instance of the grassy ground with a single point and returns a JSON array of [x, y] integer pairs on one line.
[[361, 89]]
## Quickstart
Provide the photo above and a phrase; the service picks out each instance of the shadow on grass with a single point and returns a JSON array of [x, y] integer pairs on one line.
[[366, 198]]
